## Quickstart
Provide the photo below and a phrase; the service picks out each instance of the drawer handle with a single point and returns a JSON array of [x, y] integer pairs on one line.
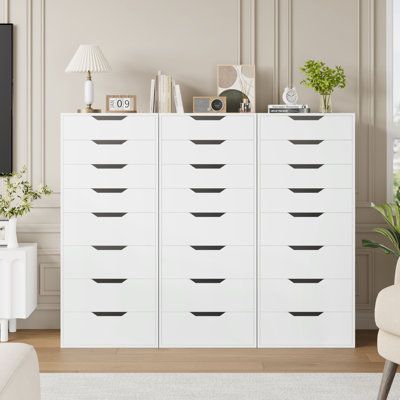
[[207, 280], [306, 166], [306, 313], [101, 142], [306, 247], [109, 214], [109, 117], [207, 166], [306, 190], [306, 214], [207, 247], [207, 313], [300, 142], [109, 280], [305, 280], [207, 190], [109, 313], [101, 248], [306, 117], [207, 214], [208, 117], [109, 190], [109, 166], [207, 141]]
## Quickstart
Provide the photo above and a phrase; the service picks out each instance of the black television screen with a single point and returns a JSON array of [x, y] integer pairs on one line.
[[6, 90]]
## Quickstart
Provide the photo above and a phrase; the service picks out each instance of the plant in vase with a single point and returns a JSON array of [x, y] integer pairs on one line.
[[16, 198], [324, 80]]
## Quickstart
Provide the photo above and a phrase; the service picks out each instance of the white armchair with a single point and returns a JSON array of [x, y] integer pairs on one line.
[[387, 318]]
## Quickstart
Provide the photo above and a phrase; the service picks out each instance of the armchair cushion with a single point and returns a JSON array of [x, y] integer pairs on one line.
[[387, 315]]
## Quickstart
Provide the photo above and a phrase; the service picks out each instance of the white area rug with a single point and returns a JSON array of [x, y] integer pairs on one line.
[[261, 386]]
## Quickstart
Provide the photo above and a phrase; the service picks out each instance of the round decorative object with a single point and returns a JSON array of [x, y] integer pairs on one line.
[[233, 99], [290, 96]]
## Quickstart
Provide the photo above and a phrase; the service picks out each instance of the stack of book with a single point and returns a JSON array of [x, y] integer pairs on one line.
[[291, 108], [165, 95]]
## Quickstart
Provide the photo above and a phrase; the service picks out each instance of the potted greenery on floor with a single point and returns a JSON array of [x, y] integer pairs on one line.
[[16, 198]]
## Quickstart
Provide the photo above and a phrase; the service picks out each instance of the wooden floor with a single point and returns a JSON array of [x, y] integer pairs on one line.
[[363, 358]]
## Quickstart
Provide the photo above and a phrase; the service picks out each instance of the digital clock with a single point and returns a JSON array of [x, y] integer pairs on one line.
[[121, 103]]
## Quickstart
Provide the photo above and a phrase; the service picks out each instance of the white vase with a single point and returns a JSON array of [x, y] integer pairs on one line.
[[12, 241]]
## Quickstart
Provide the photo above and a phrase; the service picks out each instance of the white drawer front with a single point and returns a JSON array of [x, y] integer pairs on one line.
[[229, 228], [306, 294], [299, 176], [109, 176], [306, 262], [109, 294], [87, 127], [178, 127], [327, 229], [197, 176], [208, 151], [306, 199], [334, 127], [207, 199], [208, 261], [109, 200], [109, 262], [208, 294], [325, 330], [306, 151], [84, 329], [112, 151], [226, 330], [129, 229]]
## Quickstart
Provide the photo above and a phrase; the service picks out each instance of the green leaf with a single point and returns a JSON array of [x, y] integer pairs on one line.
[[374, 245]]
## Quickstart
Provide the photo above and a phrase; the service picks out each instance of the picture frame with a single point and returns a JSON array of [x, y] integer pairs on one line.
[[3, 232], [121, 103]]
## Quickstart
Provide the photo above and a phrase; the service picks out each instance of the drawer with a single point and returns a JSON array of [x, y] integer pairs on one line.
[[206, 126], [335, 229], [120, 329], [306, 294], [306, 199], [88, 127], [109, 176], [205, 294], [306, 151], [306, 176], [111, 151], [208, 151], [109, 294], [324, 330], [207, 199], [207, 176], [128, 229], [208, 261], [306, 262], [109, 200], [202, 229], [208, 330], [333, 126], [109, 262]]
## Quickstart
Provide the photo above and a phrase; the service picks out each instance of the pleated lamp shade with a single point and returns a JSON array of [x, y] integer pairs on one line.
[[88, 57]]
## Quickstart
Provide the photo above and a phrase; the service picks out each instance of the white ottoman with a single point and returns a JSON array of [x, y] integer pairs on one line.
[[19, 372]]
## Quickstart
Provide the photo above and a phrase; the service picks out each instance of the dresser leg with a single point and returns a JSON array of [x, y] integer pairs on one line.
[[3, 330], [12, 325]]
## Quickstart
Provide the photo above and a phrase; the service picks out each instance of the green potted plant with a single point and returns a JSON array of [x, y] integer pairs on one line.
[[16, 198], [324, 80]]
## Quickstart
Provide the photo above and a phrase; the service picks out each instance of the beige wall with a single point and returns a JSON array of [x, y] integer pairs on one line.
[[187, 38]]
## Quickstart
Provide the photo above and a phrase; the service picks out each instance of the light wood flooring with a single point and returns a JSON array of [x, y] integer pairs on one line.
[[364, 358]]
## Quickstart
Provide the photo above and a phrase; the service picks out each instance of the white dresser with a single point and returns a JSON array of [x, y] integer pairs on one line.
[[199, 230]]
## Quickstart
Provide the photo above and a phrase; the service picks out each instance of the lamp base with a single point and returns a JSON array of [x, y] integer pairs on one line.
[[89, 109]]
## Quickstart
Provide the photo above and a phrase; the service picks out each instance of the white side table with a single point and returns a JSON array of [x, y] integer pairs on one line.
[[18, 286]]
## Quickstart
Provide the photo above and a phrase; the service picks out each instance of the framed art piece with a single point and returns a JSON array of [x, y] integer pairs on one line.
[[121, 103], [3, 232], [236, 83]]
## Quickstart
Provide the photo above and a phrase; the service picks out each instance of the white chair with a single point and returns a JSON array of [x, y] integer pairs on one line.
[[387, 318], [19, 372]]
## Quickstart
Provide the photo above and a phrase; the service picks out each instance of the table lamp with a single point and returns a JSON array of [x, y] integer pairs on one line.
[[88, 58]]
